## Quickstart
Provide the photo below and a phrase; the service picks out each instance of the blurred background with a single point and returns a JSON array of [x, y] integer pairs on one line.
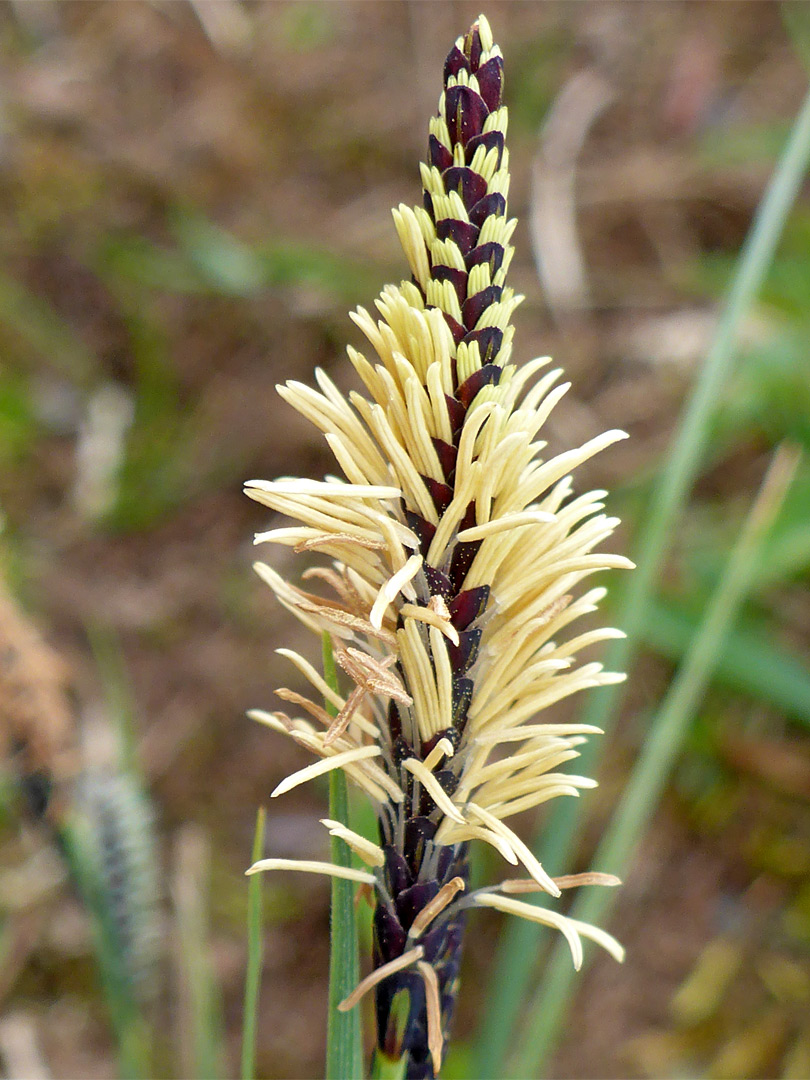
[[193, 197]]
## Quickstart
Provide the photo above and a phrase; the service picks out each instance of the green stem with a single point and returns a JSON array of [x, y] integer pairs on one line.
[[517, 955], [344, 1043], [253, 975], [658, 755]]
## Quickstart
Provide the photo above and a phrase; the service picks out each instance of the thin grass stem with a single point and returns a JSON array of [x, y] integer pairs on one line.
[[253, 975], [641, 796], [555, 846], [344, 1042]]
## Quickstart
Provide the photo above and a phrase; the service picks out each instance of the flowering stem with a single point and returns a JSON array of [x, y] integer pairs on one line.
[[658, 755], [456, 551], [555, 847], [344, 1044]]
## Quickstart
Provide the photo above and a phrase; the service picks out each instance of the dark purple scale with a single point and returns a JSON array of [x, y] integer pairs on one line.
[[410, 901], [492, 205], [400, 752], [462, 233], [438, 582], [490, 340], [456, 61], [388, 931], [464, 552], [462, 656], [447, 455], [465, 113], [447, 733], [490, 140], [474, 307], [462, 696], [473, 48], [456, 412], [462, 560], [490, 82], [438, 942], [457, 278], [438, 154], [486, 375], [425, 530], [442, 494], [490, 253], [419, 831], [470, 187], [457, 329], [467, 606], [394, 721]]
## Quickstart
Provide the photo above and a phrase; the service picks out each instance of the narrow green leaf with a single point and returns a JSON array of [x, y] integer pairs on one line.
[[253, 975], [344, 1043], [555, 847]]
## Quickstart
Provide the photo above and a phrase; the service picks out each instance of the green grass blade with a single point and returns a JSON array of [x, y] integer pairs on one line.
[[554, 848], [344, 1043], [548, 1009], [253, 975]]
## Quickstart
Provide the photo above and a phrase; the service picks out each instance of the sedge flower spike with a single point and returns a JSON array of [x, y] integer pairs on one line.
[[455, 550]]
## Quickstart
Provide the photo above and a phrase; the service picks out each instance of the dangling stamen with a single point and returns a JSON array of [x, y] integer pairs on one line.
[[318, 768], [399, 964], [371, 854]]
